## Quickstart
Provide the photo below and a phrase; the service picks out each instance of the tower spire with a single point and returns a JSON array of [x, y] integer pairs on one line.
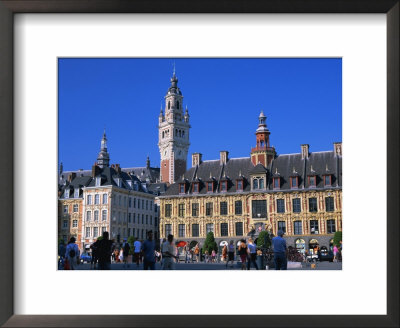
[[263, 153], [103, 159]]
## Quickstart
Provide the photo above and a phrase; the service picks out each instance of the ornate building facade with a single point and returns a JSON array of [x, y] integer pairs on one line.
[[299, 193]]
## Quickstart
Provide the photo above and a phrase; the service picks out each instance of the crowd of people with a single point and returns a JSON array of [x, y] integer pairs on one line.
[[104, 252]]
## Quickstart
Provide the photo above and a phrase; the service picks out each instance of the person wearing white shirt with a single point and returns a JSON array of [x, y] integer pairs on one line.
[[168, 253]]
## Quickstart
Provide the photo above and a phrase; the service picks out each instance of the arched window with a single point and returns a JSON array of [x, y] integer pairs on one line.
[[177, 104], [261, 183], [169, 104], [255, 183]]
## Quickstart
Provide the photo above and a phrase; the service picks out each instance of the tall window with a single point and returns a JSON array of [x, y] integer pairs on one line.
[[223, 208], [65, 209], [313, 207], [223, 185], [105, 198], [312, 181], [88, 216], [195, 230], [130, 202], [297, 228], [181, 210], [239, 228], [134, 217], [259, 208], [129, 218], [119, 200], [104, 215], [224, 229], [209, 186], [314, 226], [87, 232], [329, 206], [238, 207], [327, 180], [134, 203], [282, 226], [181, 230], [97, 199], [255, 183], [65, 224], [209, 209], [296, 205], [96, 215], [293, 182], [261, 183], [142, 218], [182, 188], [95, 232], [142, 203], [195, 209], [66, 194], [239, 185], [89, 200], [147, 219], [168, 230], [195, 187], [74, 223], [330, 225], [76, 193], [209, 227], [276, 183], [147, 204], [168, 208], [280, 205]]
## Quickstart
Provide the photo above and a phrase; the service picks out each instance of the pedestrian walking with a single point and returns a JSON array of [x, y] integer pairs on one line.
[[225, 255], [126, 249], [252, 251], [137, 245], [104, 251], [231, 253], [243, 253], [168, 251], [61, 255], [279, 245], [149, 249], [72, 254], [93, 262], [335, 252], [213, 254], [196, 252]]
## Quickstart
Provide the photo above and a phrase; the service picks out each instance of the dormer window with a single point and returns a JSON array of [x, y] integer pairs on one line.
[[294, 182], [130, 183], [239, 185], [210, 187], [181, 188], [98, 182], [196, 187], [223, 186], [276, 183], [312, 181], [66, 194], [76, 193], [258, 183], [327, 180]]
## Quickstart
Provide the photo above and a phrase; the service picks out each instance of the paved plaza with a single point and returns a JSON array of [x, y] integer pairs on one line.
[[215, 266]]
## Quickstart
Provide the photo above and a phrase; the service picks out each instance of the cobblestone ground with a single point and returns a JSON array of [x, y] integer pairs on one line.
[[215, 266]]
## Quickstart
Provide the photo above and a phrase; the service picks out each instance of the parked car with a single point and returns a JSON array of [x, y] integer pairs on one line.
[[86, 257], [326, 256]]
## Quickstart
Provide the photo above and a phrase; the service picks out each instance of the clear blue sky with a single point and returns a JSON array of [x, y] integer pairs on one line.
[[302, 99]]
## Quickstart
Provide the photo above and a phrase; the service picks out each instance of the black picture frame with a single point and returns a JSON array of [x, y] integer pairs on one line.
[[10, 7]]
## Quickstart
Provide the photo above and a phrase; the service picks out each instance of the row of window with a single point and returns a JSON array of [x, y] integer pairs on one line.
[[74, 223], [96, 215], [139, 203], [195, 229], [75, 208], [138, 233], [259, 207], [258, 184], [314, 227], [89, 199]]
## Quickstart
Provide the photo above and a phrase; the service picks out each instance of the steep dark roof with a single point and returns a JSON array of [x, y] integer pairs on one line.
[[283, 167]]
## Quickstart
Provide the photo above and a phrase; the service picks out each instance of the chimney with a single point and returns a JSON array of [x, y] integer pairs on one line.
[[305, 151], [71, 176], [223, 157], [95, 170], [337, 148], [196, 159]]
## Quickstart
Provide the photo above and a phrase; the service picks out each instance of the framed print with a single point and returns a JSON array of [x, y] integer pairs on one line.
[[57, 54]]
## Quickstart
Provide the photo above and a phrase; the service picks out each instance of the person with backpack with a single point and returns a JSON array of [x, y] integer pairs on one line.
[[126, 248], [72, 254]]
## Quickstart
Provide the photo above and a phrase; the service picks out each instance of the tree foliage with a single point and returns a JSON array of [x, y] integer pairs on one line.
[[337, 238], [210, 244], [264, 240]]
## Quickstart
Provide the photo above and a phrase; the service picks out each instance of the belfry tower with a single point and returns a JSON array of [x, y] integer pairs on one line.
[[263, 153], [173, 134], [103, 159]]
